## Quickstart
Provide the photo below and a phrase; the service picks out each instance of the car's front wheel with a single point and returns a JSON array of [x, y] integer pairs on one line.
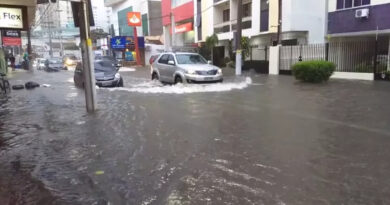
[[154, 76], [178, 79], [120, 84]]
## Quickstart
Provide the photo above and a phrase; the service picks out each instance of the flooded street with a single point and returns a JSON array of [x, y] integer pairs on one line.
[[256, 139]]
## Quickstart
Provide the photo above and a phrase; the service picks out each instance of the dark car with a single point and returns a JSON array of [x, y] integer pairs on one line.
[[53, 65], [116, 62], [106, 74]]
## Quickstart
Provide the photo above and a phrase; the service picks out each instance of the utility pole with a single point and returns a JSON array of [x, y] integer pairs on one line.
[[173, 25], [279, 39], [87, 57], [59, 27], [50, 37], [238, 38]]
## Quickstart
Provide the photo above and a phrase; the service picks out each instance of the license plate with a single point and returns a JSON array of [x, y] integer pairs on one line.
[[106, 83], [208, 78]]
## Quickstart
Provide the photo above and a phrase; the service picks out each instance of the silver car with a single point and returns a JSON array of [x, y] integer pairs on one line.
[[184, 68]]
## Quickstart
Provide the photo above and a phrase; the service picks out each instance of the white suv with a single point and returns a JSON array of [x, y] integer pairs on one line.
[[173, 67]]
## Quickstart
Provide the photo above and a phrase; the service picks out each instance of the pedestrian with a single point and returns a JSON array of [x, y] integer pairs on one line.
[[25, 60], [12, 60], [3, 63]]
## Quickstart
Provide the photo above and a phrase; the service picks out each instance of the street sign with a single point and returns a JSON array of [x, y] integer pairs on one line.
[[134, 19]]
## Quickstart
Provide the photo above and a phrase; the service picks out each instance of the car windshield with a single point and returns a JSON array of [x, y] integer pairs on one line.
[[190, 59], [55, 61], [104, 66]]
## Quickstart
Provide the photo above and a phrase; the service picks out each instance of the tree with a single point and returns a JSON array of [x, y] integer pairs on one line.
[[245, 47], [98, 34], [211, 42]]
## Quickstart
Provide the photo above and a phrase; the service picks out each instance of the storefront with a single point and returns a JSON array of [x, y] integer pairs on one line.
[[124, 48]]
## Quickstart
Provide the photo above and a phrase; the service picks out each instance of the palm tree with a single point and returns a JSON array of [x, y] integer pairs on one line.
[[211, 42]]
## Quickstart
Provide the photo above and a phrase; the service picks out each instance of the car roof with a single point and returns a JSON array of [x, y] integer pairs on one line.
[[175, 53]]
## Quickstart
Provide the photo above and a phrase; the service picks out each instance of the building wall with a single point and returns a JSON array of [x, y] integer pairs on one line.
[[333, 3], [344, 21], [155, 21], [207, 19], [101, 15], [140, 6], [297, 17], [273, 16]]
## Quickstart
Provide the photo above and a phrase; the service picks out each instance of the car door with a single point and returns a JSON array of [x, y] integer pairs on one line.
[[162, 67], [171, 69]]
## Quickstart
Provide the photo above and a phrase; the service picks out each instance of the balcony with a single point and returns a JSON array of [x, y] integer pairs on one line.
[[222, 27], [218, 2], [112, 2]]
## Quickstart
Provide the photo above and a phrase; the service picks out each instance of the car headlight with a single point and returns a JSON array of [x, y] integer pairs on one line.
[[68, 61], [219, 71], [191, 72], [117, 76]]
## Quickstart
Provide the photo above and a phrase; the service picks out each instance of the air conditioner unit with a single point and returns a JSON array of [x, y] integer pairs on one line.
[[362, 13]]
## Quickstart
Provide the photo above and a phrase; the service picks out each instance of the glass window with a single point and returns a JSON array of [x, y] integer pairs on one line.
[[170, 58], [164, 59], [345, 4], [264, 5], [247, 10], [226, 15], [104, 65], [190, 59]]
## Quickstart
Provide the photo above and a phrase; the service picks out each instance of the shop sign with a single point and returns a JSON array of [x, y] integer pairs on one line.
[[122, 42], [11, 18], [134, 19], [183, 28], [9, 41]]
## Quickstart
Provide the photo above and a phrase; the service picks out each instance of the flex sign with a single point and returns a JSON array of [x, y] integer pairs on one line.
[[11, 18], [134, 19]]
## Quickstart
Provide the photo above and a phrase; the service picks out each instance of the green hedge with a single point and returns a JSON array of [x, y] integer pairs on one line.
[[313, 71]]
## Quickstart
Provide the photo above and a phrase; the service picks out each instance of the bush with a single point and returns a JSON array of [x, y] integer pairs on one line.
[[313, 71]]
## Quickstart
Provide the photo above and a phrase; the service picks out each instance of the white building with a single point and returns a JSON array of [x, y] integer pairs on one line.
[[101, 15], [300, 25]]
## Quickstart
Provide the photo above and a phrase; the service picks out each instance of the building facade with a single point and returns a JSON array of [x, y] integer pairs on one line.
[[300, 25], [178, 22], [150, 13], [101, 15]]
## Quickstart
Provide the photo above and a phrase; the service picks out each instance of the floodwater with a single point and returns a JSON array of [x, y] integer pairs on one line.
[[250, 140]]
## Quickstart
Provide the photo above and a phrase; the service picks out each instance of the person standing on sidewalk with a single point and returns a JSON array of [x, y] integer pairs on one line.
[[3, 63], [12, 60]]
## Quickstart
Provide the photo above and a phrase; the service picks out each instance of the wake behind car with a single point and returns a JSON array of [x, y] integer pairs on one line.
[[184, 68], [106, 74], [53, 65]]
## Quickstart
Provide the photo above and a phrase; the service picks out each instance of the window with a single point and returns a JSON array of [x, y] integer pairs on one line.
[[264, 5], [345, 4], [164, 59], [226, 15], [190, 59], [247, 10], [170, 58]]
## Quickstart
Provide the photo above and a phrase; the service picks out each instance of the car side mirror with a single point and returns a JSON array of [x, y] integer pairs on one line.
[[209, 62], [171, 62]]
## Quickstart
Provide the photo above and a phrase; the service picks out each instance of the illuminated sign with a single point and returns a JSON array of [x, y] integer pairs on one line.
[[122, 42], [11, 18], [134, 19], [183, 28]]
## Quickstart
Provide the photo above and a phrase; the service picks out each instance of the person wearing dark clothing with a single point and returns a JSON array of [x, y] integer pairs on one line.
[[12, 60]]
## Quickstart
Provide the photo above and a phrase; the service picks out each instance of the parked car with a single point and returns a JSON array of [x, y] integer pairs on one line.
[[39, 63], [153, 58], [117, 62], [184, 68], [106, 75], [54, 65]]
